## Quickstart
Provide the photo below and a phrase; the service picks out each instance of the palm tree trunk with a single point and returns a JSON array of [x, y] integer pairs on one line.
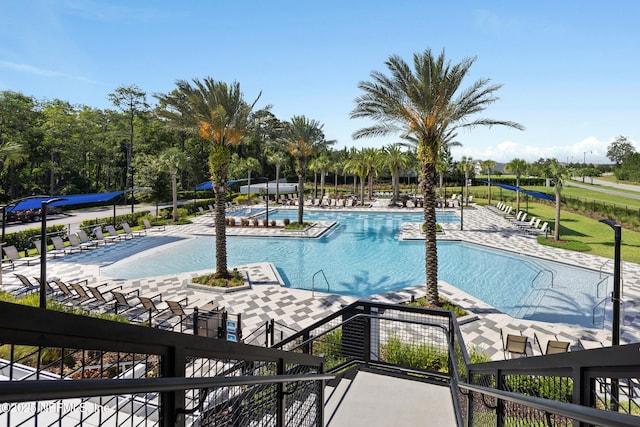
[[300, 198], [220, 225], [174, 190], [427, 187], [518, 193], [556, 228], [277, 182]]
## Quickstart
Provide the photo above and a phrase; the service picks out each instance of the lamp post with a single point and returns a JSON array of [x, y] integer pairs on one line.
[[615, 296], [43, 252]]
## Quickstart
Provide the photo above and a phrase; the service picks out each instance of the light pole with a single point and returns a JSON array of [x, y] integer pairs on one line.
[[615, 296], [43, 251]]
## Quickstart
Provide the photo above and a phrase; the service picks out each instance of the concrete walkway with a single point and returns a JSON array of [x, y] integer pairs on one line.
[[296, 308]]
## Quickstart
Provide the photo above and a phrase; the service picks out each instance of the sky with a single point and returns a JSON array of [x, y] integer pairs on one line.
[[569, 69]]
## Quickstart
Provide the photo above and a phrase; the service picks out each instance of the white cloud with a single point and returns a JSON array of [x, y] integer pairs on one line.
[[590, 150], [26, 68]]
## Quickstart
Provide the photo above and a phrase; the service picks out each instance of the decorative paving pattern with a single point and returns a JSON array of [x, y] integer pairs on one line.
[[267, 299]]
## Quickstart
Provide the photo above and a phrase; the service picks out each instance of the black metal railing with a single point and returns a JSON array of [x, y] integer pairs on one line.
[[577, 388], [59, 368]]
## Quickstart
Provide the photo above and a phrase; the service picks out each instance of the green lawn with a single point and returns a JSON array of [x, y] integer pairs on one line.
[[597, 236]]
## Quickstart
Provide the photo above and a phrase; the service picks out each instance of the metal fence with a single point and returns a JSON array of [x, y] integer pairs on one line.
[[62, 369]]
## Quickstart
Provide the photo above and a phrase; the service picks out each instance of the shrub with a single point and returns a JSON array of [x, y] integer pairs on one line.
[[273, 222], [244, 222], [421, 356], [265, 222], [255, 222], [286, 221]]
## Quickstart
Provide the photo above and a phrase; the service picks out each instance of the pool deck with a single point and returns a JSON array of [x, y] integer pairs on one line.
[[268, 299]]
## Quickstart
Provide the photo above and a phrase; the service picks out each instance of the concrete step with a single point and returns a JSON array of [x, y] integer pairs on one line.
[[374, 400]]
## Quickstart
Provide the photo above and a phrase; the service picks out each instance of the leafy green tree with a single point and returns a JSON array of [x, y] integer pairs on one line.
[[630, 169], [173, 160], [428, 104], [557, 174], [305, 138], [620, 150], [220, 114], [153, 175], [132, 101], [488, 166], [518, 167]]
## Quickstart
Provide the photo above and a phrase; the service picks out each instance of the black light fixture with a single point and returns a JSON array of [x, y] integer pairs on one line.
[[43, 250], [615, 296]]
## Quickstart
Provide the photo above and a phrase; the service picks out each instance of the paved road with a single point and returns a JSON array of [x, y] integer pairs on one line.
[[599, 184], [73, 219]]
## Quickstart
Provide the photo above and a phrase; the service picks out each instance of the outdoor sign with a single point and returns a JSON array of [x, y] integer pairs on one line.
[[232, 329]]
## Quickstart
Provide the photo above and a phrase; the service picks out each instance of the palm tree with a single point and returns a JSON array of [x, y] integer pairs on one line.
[[374, 165], [277, 158], [220, 114], [554, 171], [464, 166], [517, 166], [322, 164], [11, 153], [248, 165], [488, 166], [305, 138], [395, 159], [421, 103], [174, 160], [357, 165]]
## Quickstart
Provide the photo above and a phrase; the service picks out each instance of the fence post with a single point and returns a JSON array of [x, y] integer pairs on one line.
[[280, 398], [173, 366]]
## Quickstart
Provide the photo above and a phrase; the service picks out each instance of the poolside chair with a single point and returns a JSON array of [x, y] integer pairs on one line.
[[64, 289], [14, 258], [128, 231], [27, 286], [114, 233], [85, 240], [149, 227], [59, 246], [550, 344], [514, 344], [128, 304], [97, 232], [50, 252], [201, 210], [101, 296], [74, 242], [179, 308], [541, 230], [158, 317]]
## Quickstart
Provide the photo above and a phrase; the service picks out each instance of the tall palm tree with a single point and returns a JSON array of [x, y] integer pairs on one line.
[[174, 160], [277, 158], [357, 165], [517, 166], [322, 164], [305, 138], [429, 104], [395, 159], [488, 166], [249, 165], [374, 164], [221, 116], [464, 166], [554, 171]]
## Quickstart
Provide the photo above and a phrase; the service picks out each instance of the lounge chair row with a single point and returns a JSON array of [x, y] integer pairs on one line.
[[77, 242], [176, 315], [521, 220], [517, 344]]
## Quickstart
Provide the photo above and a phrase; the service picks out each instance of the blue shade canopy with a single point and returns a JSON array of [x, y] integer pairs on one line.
[[209, 186], [536, 194], [75, 199]]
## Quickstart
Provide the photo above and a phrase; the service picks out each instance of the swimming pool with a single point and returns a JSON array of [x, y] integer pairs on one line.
[[363, 256]]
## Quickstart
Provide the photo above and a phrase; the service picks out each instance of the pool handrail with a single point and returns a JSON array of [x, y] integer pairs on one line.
[[313, 282]]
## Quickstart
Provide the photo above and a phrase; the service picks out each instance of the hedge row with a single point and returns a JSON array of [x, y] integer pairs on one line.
[[22, 240]]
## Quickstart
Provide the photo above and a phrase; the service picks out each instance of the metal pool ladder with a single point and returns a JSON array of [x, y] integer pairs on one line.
[[313, 282]]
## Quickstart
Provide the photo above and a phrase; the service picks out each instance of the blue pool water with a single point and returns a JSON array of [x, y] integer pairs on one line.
[[363, 256]]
